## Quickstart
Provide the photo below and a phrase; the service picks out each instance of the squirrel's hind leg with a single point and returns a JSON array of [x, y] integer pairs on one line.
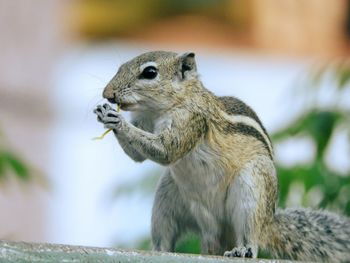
[[251, 206], [170, 216]]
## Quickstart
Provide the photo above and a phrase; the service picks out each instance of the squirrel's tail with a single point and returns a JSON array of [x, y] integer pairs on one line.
[[305, 234]]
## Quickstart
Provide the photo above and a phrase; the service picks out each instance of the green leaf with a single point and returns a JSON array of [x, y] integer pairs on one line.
[[347, 208], [2, 166], [319, 125], [317, 74], [189, 244], [342, 76], [144, 244], [19, 168]]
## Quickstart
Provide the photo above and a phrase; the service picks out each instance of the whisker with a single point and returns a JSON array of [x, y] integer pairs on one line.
[[98, 102], [90, 108], [97, 77], [95, 89], [117, 54]]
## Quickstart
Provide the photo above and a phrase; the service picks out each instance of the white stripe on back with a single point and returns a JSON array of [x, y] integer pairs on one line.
[[249, 122]]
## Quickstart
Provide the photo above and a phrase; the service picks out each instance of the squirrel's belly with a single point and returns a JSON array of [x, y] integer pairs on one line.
[[201, 180]]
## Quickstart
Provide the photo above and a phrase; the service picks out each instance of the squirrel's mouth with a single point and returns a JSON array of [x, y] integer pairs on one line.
[[126, 106]]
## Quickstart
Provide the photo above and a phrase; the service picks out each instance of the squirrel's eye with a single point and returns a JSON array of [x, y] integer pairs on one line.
[[149, 72]]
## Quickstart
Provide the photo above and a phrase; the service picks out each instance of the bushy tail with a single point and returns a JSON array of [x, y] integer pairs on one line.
[[305, 234]]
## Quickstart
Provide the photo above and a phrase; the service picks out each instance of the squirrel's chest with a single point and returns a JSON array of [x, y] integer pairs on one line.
[[200, 176]]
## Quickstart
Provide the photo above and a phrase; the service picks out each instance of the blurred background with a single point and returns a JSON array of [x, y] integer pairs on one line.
[[288, 59]]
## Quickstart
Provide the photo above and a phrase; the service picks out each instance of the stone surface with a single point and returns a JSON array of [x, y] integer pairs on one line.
[[36, 252]]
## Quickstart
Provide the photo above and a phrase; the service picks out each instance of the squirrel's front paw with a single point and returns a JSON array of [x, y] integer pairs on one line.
[[109, 117], [243, 252]]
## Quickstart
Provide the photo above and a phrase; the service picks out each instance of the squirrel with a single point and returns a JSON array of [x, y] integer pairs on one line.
[[220, 180]]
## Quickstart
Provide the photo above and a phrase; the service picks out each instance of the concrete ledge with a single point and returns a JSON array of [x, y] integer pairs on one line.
[[35, 252]]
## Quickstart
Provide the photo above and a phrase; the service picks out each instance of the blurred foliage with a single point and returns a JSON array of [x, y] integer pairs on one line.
[[320, 124], [11, 163], [189, 244], [144, 186], [316, 123], [99, 19]]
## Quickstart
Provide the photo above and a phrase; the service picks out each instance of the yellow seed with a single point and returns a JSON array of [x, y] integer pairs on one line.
[[106, 132]]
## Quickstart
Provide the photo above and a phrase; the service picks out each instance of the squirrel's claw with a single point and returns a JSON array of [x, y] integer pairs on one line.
[[242, 252]]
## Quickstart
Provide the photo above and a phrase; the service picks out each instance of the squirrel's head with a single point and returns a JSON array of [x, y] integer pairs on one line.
[[152, 81]]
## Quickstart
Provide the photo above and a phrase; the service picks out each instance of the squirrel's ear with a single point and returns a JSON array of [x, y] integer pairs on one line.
[[187, 65]]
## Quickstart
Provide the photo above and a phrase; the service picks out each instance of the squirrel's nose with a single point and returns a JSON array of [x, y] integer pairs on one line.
[[110, 96], [108, 93], [111, 100]]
